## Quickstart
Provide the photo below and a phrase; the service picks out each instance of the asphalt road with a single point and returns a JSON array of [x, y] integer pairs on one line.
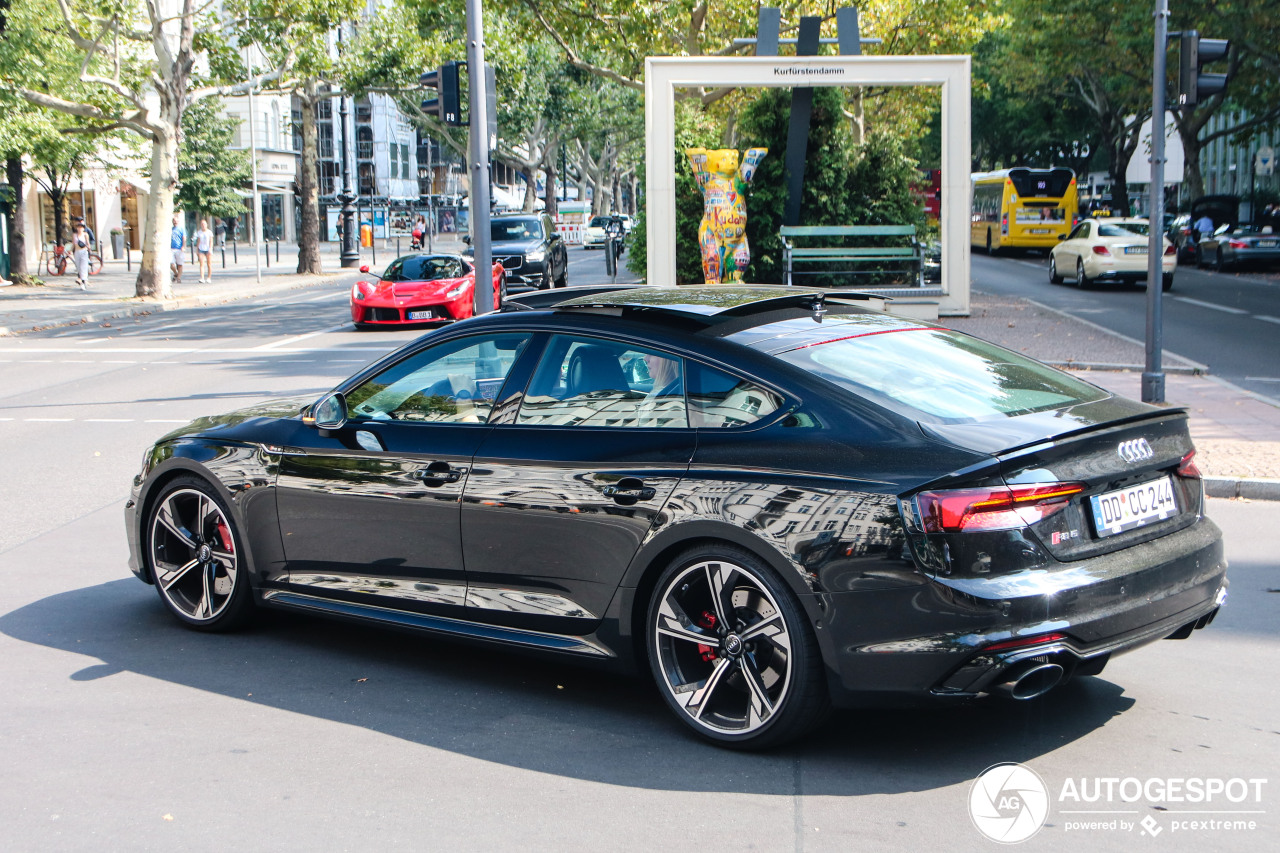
[[1228, 321], [121, 730]]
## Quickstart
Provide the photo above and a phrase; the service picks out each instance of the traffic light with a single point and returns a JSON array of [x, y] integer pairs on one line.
[[1194, 52], [447, 106]]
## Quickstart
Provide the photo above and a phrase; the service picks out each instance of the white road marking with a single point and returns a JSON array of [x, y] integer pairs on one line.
[[49, 420], [1264, 318], [1212, 305], [296, 338], [109, 420], [167, 421]]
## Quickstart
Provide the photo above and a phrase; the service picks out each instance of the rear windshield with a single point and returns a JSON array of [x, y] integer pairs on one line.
[[941, 376], [1045, 183], [1129, 229]]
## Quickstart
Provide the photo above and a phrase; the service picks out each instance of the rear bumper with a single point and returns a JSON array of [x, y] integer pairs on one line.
[[928, 641]]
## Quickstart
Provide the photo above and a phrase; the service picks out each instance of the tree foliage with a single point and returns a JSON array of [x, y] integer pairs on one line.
[[209, 170]]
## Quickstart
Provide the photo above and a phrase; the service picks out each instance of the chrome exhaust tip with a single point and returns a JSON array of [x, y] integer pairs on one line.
[[1030, 681]]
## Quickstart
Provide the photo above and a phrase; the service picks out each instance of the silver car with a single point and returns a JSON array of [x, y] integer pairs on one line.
[[1244, 245]]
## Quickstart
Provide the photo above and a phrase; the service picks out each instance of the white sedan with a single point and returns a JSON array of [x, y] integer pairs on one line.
[[1108, 250]]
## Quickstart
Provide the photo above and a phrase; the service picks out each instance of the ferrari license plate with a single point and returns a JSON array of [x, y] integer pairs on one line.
[[1135, 250], [427, 314], [1136, 506]]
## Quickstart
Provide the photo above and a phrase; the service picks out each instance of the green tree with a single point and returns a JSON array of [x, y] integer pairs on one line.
[[209, 170]]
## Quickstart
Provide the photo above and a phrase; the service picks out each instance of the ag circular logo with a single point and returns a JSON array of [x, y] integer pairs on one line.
[[1008, 802]]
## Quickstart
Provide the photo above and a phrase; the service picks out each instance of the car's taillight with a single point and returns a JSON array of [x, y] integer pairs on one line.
[[1022, 642], [1188, 468], [1237, 244], [1101, 250], [1170, 250], [1007, 508]]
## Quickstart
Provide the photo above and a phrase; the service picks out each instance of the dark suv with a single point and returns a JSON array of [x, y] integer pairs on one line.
[[530, 250]]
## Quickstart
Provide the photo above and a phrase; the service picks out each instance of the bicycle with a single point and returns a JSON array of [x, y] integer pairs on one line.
[[56, 263]]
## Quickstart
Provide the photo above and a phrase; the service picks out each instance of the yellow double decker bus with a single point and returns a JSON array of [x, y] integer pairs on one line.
[[1023, 208]]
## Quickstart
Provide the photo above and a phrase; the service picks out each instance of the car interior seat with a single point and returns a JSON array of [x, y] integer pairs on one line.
[[594, 368]]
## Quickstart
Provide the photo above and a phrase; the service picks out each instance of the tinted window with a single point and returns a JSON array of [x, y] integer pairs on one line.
[[523, 228], [425, 268], [598, 383], [1051, 183], [940, 374], [718, 399], [455, 382], [599, 222]]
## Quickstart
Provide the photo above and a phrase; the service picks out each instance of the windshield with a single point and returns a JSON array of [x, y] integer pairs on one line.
[[1129, 229], [425, 268], [523, 228], [945, 376], [600, 222]]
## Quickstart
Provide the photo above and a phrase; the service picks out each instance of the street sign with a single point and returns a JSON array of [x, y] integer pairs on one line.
[[1264, 162]]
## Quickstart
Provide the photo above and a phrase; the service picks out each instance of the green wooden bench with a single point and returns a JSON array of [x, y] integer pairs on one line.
[[857, 260]]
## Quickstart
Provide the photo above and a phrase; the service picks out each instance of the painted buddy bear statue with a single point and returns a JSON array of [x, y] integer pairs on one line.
[[723, 232]]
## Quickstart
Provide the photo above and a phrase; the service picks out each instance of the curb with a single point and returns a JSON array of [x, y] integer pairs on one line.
[[1253, 488], [73, 318], [1111, 367]]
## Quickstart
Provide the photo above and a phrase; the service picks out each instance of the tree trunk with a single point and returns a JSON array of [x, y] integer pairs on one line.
[[153, 273], [17, 223], [308, 188], [530, 188], [632, 204], [549, 166]]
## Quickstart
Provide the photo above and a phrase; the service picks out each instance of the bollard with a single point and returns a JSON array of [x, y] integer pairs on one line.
[[224, 255], [277, 250], [266, 251], [235, 252], [128, 255], [398, 252]]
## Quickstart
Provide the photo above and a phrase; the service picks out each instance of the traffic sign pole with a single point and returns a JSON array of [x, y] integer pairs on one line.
[[1153, 374]]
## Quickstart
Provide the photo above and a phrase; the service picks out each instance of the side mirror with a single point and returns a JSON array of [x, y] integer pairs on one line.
[[466, 238], [554, 236], [330, 412], [364, 269], [1061, 237]]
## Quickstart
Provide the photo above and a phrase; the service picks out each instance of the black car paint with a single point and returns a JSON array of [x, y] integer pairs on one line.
[[892, 614], [523, 273]]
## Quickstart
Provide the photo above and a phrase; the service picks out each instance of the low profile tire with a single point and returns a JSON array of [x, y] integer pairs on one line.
[[1054, 276], [194, 553], [732, 652], [563, 280], [1082, 280], [1166, 282], [545, 283]]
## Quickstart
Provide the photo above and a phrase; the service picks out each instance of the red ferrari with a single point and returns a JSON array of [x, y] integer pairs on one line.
[[421, 288]]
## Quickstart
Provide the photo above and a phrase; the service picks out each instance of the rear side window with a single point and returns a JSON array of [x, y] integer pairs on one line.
[[941, 375], [718, 399]]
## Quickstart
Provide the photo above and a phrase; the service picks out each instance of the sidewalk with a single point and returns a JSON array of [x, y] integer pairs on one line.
[[1237, 433], [111, 292]]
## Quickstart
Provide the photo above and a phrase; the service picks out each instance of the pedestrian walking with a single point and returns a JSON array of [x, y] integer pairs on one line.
[[80, 249], [204, 252], [220, 232], [418, 225], [177, 242]]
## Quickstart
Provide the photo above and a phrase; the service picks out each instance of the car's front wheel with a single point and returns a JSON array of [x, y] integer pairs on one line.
[[733, 654], [195, 556], [1054, 276]]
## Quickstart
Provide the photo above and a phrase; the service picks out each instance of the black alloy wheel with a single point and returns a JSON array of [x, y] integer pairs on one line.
[[1054, 277], [732, 653], [194, 555], [545, 283]]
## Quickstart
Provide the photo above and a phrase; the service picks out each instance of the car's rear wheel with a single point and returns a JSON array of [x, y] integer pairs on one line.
[[194, 554], [1054, 276], [1166, 281], [1082, 280], [733, 654]]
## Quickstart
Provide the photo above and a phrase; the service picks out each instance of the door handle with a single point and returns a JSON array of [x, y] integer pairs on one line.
[[439, 473], [628, 491]]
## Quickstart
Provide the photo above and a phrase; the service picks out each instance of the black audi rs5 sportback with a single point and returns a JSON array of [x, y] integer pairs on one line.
[[773, 500]]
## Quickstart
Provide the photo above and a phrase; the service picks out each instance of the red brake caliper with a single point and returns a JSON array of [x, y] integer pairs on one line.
[[708, 621], [224, 533]]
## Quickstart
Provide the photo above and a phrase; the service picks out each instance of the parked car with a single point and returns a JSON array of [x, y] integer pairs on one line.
[[1108, 250], [769, 499], [1245, 245], [530, 250], [421, 288], [1222, 209]]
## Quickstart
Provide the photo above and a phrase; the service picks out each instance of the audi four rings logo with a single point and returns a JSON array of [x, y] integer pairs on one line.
[[1135, 450]]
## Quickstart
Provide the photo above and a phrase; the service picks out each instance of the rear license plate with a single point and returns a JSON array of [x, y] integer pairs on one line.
[[422, 315], [1136, 506], [1135, 250], [1039, 230], [1268, 244]]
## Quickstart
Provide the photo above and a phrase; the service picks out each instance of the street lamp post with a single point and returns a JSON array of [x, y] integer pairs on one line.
[[479, 149], [350, 256], [1153, 372]]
